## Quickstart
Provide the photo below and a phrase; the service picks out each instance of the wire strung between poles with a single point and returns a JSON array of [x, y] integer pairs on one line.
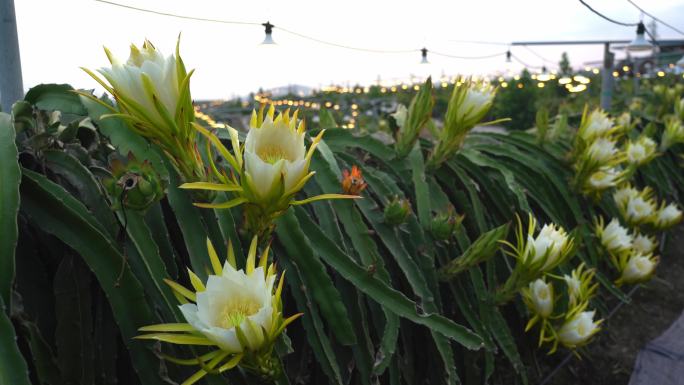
[[655, 18], [301, 35], [606, 17]]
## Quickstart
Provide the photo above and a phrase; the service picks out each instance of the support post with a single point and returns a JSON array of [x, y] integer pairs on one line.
[[11, 87], [607, 77]]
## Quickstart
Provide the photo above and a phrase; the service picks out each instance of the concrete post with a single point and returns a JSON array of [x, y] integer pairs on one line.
[[11, 87]]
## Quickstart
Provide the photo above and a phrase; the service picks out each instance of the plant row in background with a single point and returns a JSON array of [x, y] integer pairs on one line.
[[139, 246]]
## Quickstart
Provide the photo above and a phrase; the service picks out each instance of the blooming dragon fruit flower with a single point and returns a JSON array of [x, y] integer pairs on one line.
[[238, 312]]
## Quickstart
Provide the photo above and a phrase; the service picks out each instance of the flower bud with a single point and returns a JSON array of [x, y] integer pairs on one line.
[[667, 216], [578, 329], [473, 103], [352, 182], [444, 224], [673, 134], [397, 211], [551, 244], [639, 210], [624, 194], [615, 238], [602, 151], [595, 125], [641, 151], [679, 108], [624, 121], [603, 179], [580, 286], [538, 297], [469, 104], [644, 244], [639, 268], [636, 105], [134, 184]]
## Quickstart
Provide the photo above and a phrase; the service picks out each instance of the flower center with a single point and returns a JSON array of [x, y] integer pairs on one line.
[[235, 312], [543, 294], [642, 265], [271, 154], [581, 329]]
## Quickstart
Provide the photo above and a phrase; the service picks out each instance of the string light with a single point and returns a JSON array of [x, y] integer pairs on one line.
[[268, 29], [639, 43], [423, 54]]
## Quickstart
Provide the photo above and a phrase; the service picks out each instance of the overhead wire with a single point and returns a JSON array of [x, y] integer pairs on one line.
[[656, 18], [343, 45], [177, 16], [467, 57], [538, 55], [301, 35], [606, 17], [515, 57]]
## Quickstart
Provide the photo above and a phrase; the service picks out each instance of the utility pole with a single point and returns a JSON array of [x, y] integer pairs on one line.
[[607, 77], [11, 87]]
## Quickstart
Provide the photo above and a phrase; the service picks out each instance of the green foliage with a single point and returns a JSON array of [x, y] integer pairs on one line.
[[518, 101], [395, 287], [9, 205]]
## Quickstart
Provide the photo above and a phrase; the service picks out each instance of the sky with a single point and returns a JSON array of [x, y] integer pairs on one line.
[[58, 37]]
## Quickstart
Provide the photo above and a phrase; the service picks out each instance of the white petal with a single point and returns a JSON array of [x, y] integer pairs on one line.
[[226, 339], [294, 172], [264, 175]]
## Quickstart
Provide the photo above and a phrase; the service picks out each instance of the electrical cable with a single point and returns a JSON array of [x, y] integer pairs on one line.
[[479, 42], [539, 56], [523, 63], [301, 35], [342, 45], [606, 17], [177, 16], [655, 18], [467, 57]]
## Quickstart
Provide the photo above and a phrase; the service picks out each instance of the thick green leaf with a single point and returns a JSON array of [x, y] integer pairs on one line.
[[59, 97], [313, 324], [421, 187], [89, 190], [13, 368], [316, 278], [62, 215], [388, 297], [148, 265], [10, 175], [44, 361], [191, 225], [74, 313]]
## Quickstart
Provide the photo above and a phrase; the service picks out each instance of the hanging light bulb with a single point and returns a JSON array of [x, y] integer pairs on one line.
[[639, 43], [508, 56], [423, 54], [544, 76], [269, 30]]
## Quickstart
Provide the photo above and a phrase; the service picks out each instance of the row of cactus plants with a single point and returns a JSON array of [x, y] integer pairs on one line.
[[139, 246]]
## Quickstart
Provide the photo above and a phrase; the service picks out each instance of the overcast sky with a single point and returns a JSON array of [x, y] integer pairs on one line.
[[58, 37]]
